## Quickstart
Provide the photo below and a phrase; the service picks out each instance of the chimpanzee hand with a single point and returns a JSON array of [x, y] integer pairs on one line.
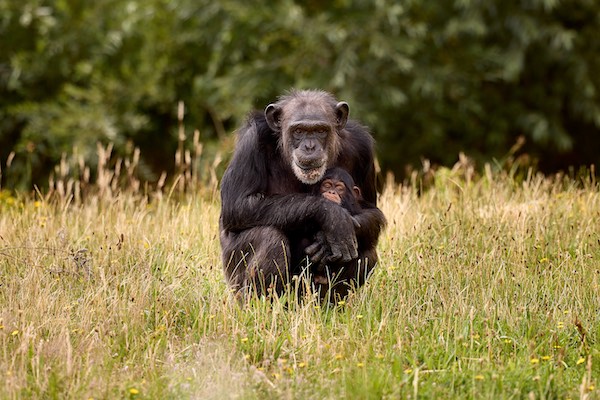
[[337, 241], [318, 251]]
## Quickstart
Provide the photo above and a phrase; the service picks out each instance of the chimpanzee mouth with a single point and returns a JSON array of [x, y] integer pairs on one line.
[[309, 174], [308, 168]]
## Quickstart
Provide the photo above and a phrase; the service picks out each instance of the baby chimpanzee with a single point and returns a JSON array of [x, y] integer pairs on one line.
[[338, 186]]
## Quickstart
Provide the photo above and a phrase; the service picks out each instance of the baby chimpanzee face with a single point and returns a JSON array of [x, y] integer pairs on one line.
[[333, 190]]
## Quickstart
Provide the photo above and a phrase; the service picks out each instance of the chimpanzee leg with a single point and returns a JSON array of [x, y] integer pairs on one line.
[[256, 260], [352, 275]]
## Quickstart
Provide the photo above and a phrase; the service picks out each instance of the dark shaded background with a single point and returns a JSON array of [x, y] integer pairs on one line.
[[431, 79]]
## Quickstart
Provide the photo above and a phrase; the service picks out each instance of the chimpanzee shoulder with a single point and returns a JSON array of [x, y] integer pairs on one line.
[[358, 140], [357, 158], [249, 167], [262, 162], [257, 129]]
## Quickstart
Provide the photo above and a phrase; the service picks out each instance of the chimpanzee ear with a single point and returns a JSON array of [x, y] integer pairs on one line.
[[357, 193], [273, 116], [341, 113]]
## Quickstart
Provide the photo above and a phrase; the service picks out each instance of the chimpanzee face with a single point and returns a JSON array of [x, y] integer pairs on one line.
[[308, 140], [334, 190], [309, 126], [338, 186]]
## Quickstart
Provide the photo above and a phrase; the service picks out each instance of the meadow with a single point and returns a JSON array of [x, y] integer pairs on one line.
[[487, 287]]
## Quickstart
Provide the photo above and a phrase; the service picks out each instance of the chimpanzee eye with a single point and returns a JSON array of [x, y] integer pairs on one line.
[[340, 189]]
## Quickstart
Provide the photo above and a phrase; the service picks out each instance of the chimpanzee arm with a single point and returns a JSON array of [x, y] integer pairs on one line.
[[371, 222]]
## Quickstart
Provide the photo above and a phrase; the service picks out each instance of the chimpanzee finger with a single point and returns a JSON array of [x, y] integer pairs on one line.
[[346, 254], [351, 248], [345, 257], [342, 257], [336, 253], [319, 242], [317, 256], [313, 249]]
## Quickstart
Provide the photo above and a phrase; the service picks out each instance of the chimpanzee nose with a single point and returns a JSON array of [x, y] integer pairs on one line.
[[309, 146]]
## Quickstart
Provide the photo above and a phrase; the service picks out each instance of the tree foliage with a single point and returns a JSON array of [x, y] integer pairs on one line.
[[431, 79]]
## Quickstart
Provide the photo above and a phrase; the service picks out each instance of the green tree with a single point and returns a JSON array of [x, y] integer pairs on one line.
[[430, 79]]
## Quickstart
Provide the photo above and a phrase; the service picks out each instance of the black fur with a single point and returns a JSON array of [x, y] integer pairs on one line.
[[266, 210]]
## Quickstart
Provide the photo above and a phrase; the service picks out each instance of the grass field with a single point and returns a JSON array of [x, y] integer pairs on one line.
[[486, 288]]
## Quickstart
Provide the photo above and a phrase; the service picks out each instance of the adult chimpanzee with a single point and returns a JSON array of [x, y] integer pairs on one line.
[[338, 186], [267, 206]]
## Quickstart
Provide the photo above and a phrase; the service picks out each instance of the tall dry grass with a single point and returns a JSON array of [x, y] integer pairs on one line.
[[487, 288]]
